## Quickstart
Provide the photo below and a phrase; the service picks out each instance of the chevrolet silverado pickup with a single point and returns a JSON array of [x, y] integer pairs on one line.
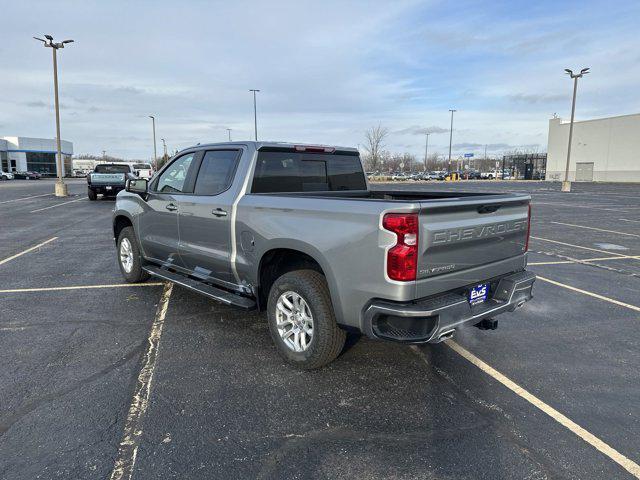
[[108, 179], [295, 230]]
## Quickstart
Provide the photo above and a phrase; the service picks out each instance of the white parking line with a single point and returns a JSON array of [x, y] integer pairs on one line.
[[626, 463], [27, 250], [597, 229], [57, 205], [81, 287], [27, 198], [559, 262], [128, 450], [555, 204], [591, 294], [586, 260], [578, 246]]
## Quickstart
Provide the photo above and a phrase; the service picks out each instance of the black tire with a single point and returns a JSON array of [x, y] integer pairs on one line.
[[136, 274], [328, 339], [91, 194]]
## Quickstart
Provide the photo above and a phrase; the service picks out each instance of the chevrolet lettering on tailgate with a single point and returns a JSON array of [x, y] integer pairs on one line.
[[452, 235]]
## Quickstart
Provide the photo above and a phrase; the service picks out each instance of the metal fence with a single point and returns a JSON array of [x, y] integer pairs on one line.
[[525, 166]]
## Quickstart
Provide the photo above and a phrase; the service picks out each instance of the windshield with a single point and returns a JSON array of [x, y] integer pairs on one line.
[[112, 169], [142, 166]]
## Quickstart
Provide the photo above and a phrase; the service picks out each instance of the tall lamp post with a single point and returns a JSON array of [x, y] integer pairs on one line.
[[155, 155], [61, 187], [451, 137], [164, 146], [229, 133], [566, 184], [255, 113], [426, 150]]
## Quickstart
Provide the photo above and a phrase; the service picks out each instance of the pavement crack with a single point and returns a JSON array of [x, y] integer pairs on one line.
[[7, 422]]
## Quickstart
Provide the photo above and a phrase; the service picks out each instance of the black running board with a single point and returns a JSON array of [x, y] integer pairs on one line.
[[210, 291]]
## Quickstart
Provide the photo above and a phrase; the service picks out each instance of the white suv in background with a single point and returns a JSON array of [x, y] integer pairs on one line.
[[143, 170], [6, 175]]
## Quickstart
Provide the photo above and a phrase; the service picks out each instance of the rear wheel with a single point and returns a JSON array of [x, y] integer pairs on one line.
[[301, 320], [91, 194], [129, 259]]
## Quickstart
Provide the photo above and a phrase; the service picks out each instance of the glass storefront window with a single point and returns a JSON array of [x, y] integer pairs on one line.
[[41, 162]]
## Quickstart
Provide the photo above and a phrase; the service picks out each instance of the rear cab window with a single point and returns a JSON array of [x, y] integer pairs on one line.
[[292, 171], [112, 169]]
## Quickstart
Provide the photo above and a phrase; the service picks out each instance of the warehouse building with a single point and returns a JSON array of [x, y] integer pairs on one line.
[[602, 150], [19, 154]]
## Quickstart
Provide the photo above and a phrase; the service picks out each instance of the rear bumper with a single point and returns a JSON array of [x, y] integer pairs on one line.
[[106, 189], [433, 319]]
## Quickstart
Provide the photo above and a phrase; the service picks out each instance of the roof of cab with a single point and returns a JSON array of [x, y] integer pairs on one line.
[[259, 145]]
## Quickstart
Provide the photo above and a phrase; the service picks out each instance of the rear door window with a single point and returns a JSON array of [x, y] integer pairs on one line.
[[285, 171], [216, 172]]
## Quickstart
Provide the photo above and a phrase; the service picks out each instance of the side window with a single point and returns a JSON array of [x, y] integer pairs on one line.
[[173, 178], [216, 172]]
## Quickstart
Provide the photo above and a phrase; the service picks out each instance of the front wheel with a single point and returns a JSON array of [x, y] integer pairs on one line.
[[129, 259], [91, 194], [301, 320]]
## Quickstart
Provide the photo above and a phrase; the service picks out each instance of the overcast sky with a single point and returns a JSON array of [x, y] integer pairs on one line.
[[327, 70]]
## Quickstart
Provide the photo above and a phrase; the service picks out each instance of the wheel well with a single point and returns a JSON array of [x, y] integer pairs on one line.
[[276, 263], [119, 223]]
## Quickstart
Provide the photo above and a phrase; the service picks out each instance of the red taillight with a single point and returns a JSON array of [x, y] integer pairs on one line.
[[402, 258], [526, 246]]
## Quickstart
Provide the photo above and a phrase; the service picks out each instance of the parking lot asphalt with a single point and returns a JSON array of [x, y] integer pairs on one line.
[[554, 392]]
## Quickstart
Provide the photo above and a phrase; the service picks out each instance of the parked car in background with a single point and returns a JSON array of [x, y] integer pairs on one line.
[[143, 170], [108, 179], [295, 231], [6, 175], [492, 175], [27, 175], [399, 177]]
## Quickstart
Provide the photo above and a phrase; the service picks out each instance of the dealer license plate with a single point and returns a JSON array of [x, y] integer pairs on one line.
[[479, 294]]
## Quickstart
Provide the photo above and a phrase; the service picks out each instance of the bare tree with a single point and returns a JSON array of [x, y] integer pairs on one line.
[[374, 145]]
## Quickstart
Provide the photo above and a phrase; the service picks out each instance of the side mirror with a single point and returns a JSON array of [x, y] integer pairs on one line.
[[138, 185]]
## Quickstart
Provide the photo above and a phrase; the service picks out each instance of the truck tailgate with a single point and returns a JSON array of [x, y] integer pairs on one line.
[[107, 178], [461, 233]]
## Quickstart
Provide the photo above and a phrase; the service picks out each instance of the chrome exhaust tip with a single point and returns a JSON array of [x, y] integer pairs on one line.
[[446, 335]]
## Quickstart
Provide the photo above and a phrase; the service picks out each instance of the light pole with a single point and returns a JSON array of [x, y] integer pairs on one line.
[[229, 132], [451, 137], [155, 155], [61, 187], [164, 145], [426, 150], [566, 184], [255, 113]]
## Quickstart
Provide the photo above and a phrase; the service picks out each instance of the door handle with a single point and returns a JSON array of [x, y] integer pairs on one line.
[[218, 212], [171, 207]]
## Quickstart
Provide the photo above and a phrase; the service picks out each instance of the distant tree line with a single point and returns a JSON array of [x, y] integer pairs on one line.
[[377, 159]]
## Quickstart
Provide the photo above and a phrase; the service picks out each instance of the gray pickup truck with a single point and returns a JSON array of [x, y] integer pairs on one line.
[[108, 179], [296, 231]]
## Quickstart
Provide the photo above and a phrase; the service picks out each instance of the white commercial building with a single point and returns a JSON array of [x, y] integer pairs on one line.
[[602, 150], [20, 154]]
